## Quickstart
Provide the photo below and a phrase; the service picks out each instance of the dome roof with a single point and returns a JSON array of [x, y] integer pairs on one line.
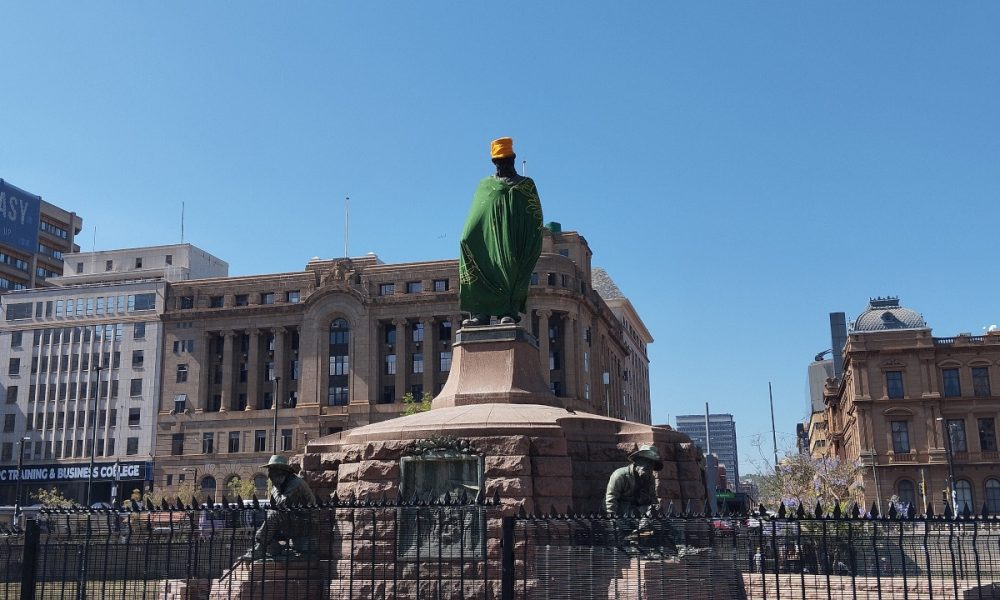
[[886, 314]]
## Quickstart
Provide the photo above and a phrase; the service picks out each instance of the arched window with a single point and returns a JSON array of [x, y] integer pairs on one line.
[[963, 495], [907, 494], [208, 486], [993, 496], [340, 337]]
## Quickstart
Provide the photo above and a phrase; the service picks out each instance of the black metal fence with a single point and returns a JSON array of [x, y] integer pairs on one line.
[[467, 549]]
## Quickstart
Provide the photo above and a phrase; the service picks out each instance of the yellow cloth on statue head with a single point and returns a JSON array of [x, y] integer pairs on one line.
[[502, 147]]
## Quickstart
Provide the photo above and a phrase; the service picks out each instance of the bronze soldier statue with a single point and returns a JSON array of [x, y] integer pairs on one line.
[[631, 493], [288, 490]]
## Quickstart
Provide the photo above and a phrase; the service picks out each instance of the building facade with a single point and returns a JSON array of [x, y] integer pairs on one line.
[[265, 363], [634, 405], [722, 431], [34, 237], [81, 376], [909, 403]]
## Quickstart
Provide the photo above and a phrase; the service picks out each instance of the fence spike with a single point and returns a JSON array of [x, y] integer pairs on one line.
[[893, 513], [521, 513], [948, 512], [966, 511], [496, 496], [463, 499], [447, 499], [818, 511], [801, 512], [929, 513], [254, 501], [911, 512], [873, 511], [781, 511], [856, 511], [481, 496]]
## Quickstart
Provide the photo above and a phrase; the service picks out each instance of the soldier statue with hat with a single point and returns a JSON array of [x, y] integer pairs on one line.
[[288, 490], [631, 494]]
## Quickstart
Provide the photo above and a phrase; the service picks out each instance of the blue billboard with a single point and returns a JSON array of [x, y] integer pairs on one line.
[[19, 214]]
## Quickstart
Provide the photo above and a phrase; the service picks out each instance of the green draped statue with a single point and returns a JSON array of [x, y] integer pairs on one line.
[[500, 243]]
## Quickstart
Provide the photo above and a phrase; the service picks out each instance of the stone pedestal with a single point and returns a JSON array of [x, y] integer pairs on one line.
[[535, 453], [649, 579], [271, 580]]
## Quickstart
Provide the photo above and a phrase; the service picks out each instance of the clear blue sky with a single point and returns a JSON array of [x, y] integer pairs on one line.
[[741, 169]]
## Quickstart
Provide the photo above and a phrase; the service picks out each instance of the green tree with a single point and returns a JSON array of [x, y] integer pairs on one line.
[[236, 486], [412, 406], [52, 498]]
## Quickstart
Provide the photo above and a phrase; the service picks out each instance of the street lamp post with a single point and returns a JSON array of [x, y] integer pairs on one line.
[[274, 428], [93, 438], [20, 472], [951, 465]]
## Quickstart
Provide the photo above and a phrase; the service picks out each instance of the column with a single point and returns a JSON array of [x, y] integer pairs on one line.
[[456, 324], [569, 361], [401, 366], [430, 354], [204, 371], [279, 366], [227, 370], [253, 370], [543, 342]]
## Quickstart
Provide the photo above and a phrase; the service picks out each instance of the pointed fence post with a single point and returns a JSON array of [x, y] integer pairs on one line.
[[29, 564], [507, 564]]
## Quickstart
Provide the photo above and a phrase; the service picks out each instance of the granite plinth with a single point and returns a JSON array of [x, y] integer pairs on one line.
[[495, 364]]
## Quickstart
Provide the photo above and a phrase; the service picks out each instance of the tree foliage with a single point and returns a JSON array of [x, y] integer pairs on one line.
[[802, 479], [52, 498], [412, 406]]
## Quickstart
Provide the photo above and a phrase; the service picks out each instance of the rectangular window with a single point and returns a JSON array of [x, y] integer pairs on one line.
[[390, 334], [440, 285], [551, 279], [177, 444], [388, 394], [132, 446], [11, 394], [267, 298], [956, 429], [981, 382], [286, 439], [8, 423], [216, 301], [138, 262], [339, 365], [900, 437], [444, 330], [135, 388], [169, 259], [534, 279], [390, 364], [15, 339], [7, 454], [134, 417], [139, 331], [418, 362], [14, 367], [19, 311], [234, 441], [385, 289], [418, 332], [208, 442], [987, 435], [952, 386], [894, 384], [445, 361], [180, 403], [259, 440], [140, 302], [293, 297], [186, 302], [137, 359], [241, 300], [414, 287]]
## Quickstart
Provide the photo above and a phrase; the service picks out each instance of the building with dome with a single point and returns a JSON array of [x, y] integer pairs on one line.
[[900, 391]]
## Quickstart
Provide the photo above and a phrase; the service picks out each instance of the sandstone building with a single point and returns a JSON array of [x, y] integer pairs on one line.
[[34, 237], [338, 344], [901, 392]]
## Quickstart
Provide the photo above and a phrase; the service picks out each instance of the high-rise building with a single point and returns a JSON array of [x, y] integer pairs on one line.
[[341, 343], [722, 434], [80, 368], [34, 237]]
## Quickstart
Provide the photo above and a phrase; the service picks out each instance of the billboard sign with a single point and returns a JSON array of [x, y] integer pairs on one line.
[[78, 472], [19, 215]]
